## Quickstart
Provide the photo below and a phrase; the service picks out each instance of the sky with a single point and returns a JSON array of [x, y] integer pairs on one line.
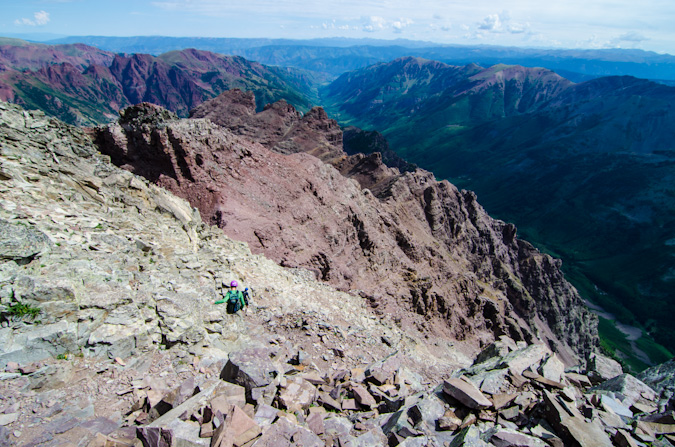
[[645, 24]]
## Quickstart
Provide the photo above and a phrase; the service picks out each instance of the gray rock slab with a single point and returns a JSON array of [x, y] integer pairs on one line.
[[37, 342], [338, 426], [298, 394], [615, 406], [469, 437], [185, 434], [265, 415], [284, 433], [571, 426], [466, 393], [495, 381], [189, 406], [6, 419], [522, 359], [505, 437], [363, 397], [601, 368], [552, 369]]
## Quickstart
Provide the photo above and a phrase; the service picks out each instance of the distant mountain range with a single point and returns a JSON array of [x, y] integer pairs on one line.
[[84, 85], [587, 169], [336, 56]]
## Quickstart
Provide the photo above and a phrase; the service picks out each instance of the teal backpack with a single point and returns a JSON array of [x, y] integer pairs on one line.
[[234, 298]]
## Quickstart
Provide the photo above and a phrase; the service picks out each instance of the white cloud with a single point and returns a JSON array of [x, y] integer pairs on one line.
[[398, 25], [491, 23], [374, 23], [501, 23], [333, 25], [40, 18], [377, 23]]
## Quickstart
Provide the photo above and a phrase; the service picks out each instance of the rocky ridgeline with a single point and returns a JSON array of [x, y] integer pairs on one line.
[[110, 337], [451, 270]]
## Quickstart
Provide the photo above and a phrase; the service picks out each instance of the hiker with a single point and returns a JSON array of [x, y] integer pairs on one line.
[[235, 299]]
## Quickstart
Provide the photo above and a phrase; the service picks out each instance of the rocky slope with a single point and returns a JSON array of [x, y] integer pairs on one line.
[[450, 269], [120, 268], [85, 86], [126, 348]]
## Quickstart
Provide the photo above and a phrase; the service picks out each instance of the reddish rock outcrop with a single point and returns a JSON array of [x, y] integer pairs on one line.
[[278, 127], [415, 248]]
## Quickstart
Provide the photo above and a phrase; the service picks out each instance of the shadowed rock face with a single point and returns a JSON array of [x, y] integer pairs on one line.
[[417, 249]]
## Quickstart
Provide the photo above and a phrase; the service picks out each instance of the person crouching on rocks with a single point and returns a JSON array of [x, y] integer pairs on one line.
[[234, 299]]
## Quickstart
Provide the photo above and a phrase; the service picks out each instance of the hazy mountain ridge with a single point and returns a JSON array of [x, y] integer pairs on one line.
[[335, 56], [84, 85], [584, 169], [468, 94]]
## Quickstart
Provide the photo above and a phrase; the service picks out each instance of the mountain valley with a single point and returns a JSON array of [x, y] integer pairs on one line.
[[583, 169]]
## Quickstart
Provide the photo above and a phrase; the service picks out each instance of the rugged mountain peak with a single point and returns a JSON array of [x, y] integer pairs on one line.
[[237, 102], [452, 271], [144, 114], [279, 126], [355, 141]]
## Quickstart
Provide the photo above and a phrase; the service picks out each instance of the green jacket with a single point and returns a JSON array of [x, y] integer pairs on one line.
[[229, 293]]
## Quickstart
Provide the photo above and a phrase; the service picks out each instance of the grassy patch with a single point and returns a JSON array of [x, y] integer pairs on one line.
[[21, 310]]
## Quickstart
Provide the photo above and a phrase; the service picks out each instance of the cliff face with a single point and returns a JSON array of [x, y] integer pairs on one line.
[[416, 249]]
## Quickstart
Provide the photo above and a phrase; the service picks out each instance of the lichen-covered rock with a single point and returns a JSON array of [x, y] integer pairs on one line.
[[21, 243]]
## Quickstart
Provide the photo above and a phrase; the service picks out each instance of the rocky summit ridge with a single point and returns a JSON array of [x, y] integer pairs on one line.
[[110, 337]]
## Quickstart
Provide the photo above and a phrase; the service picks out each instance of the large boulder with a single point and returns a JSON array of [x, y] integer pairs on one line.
[[21, 243], [601, 368], [251, 368]]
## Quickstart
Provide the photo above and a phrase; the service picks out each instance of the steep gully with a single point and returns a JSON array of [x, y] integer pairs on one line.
[[451, 271]]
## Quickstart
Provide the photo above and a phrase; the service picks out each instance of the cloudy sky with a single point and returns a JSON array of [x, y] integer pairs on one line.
[[646, 24]]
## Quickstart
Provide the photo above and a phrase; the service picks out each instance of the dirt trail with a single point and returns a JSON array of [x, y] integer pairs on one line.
[[632, 333]]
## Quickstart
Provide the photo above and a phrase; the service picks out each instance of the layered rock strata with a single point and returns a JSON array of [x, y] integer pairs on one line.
[[417, 249]]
